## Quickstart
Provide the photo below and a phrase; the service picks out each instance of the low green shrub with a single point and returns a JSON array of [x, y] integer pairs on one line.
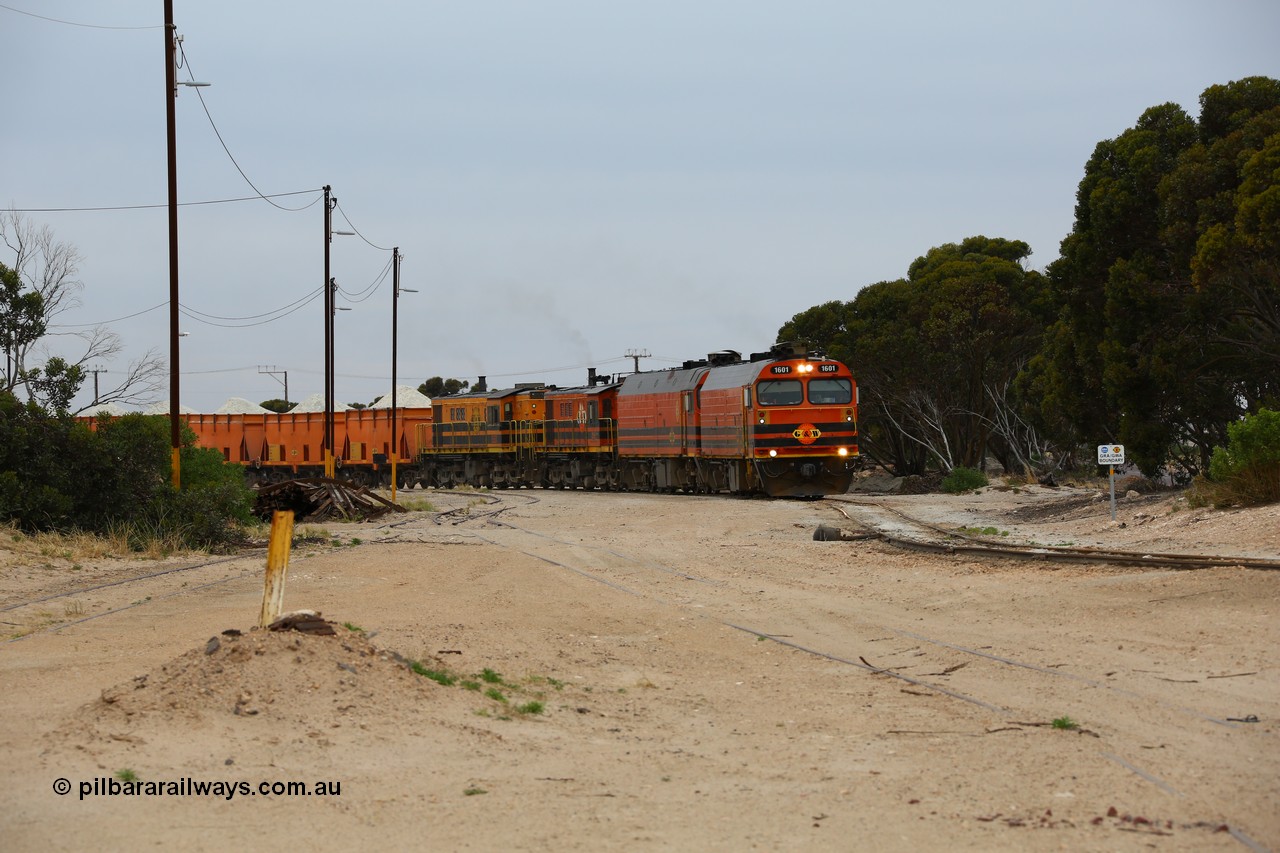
[[1247, 471], [57, 474], [961, 480]]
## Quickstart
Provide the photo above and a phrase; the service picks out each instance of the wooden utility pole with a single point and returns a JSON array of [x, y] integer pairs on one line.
[[170, 95], [635, 355], [95, 373]]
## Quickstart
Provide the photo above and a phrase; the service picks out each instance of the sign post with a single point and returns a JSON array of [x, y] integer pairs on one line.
[[1111, 455]]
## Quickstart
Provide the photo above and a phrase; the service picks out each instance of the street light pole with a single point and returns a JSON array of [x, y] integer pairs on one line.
[[330, 307], [396, 290], [170, 95], [329, 202], [395, 302]]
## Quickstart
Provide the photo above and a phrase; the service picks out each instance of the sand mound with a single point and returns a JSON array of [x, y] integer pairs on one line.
[[282, 675], [271, 687]]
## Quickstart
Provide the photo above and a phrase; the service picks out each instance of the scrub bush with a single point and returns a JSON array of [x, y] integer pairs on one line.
[[56, 474], [1247, 471], [961, 480]]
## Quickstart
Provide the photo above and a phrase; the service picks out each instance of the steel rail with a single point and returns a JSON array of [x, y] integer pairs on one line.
[[1238, 834], [135, 579], [1051, 553]]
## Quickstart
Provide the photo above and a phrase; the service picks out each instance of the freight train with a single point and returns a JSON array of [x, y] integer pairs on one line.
[[783, 423]]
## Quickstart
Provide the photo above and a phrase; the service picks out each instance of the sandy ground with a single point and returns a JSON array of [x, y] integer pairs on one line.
[[644, 672]]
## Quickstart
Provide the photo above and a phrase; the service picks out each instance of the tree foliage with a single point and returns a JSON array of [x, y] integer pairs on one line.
[[58, 474], [437, 386], [39, 287], [1158, 326], [935, 352], [1168, 327], [1247, 470]]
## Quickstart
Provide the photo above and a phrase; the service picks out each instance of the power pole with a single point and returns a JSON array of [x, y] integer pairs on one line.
[[95, 373], [328, 335], [170, 93], [635, 355], [273, 370]]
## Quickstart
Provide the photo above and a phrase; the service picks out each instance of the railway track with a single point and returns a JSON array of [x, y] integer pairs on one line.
[[941, 540], [933, 663], [837, 628], [121, 594], [567, 554]]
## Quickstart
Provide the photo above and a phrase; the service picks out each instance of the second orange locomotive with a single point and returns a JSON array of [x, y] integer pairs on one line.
[[783, 423]]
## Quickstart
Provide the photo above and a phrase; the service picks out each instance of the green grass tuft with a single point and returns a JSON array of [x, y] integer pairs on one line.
[[440, 677]]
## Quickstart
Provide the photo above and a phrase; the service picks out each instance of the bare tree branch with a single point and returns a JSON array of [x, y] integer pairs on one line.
[[142, 382], [48, 267]]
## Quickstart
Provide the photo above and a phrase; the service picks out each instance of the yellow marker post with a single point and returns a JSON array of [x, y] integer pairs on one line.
[[277, 564]]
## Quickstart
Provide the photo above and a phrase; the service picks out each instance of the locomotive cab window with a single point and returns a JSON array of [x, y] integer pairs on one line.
[[830, 392], [780, 392]]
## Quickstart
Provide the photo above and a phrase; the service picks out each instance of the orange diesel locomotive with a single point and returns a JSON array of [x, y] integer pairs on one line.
[[783, 423]]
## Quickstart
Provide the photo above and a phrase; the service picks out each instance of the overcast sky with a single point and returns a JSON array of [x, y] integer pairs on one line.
[[566, 180]]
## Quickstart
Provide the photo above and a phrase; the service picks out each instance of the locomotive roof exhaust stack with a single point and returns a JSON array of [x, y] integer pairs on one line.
[[790, 349], [785, 349], [591, 377], [724, 357], [481, 385]]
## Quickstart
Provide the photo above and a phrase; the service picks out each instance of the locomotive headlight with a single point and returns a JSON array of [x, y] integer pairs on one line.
[[762, 419], [844, 451], [773, 453]]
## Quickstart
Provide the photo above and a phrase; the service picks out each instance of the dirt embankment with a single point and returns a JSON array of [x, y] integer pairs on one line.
[[627, 672]]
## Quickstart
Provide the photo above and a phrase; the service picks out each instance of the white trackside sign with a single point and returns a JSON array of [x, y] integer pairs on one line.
[[1110, 454]]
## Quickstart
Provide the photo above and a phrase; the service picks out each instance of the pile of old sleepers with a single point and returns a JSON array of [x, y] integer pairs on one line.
[[322, 499]]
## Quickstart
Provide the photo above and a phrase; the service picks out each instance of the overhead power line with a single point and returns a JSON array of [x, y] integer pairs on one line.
[[200, 316], [191, 74], [357, 230], [77, 23], [156, 206], [236, 325], [296, 303], [363, 295], [108, 322]]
